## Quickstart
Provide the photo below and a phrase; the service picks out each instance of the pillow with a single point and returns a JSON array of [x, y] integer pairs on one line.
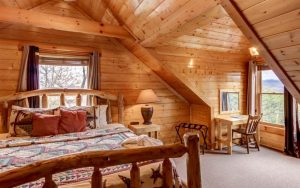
[[90, 113], [72, 121], [100, 112], [20, 119], [44, 125]]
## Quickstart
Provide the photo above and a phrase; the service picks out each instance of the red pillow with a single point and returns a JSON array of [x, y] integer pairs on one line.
[[72, 121], [44, 124]]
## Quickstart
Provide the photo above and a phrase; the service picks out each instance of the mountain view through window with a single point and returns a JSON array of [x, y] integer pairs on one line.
[[272, 98]]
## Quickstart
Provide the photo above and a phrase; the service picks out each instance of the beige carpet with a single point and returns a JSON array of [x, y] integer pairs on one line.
[[264, 169]]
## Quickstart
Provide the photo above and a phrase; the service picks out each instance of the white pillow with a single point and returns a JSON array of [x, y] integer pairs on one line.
[[100, 111]]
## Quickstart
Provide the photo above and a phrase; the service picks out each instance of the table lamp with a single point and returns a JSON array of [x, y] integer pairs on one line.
[[145, 97]]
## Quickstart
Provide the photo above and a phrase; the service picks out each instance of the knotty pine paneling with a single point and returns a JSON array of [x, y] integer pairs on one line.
[[120, 73], [209, 72]]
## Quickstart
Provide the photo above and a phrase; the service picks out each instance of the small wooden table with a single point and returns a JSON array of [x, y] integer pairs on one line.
[[230, 121], [145, 129]]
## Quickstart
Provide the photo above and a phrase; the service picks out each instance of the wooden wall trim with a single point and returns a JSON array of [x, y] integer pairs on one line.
[[239, 18]]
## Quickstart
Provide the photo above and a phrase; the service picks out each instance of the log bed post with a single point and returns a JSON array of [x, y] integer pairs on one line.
[[44, 101], [192, 160], [120, 108], [135, 181], [49, 183], [4, 122], [62, 99], [96, 178], [78, 100], [167, 174]]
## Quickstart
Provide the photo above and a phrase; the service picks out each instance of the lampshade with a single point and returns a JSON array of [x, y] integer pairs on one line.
[[147, 96]]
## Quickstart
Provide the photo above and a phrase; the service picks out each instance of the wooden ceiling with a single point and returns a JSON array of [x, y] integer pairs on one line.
[[177, 23]]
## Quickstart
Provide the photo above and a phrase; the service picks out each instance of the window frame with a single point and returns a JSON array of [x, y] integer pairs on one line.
[[259, 97], [64, 61]]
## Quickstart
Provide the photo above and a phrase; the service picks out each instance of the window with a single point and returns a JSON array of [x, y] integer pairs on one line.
[[272, 98], [62, 73]]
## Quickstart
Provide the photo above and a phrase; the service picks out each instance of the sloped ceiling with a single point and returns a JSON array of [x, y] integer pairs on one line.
[[274, 26], [183, 24]]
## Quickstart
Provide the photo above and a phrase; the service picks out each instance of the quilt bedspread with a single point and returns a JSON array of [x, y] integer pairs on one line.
[[19, 152]]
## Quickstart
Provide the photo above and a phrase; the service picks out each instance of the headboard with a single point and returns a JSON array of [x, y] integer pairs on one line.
[[44, 93]]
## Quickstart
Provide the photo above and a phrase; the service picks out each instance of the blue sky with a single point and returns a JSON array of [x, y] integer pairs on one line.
[[269, 75]]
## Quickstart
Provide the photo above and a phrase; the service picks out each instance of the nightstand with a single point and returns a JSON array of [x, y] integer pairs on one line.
[[145, 129]]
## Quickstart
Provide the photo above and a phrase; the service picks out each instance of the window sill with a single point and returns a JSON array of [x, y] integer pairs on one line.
[[272, 124]]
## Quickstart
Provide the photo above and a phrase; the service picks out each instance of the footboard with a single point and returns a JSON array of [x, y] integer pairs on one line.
[[101, 159]]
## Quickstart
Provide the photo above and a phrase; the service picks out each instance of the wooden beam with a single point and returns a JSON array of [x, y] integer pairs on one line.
[[181, 85], [158, 68], [203, 19], [238, 17], [47, 21]]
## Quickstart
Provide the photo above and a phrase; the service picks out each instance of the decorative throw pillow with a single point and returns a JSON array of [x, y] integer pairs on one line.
[[72, 121], [44, 125], [101, 119], [20, 120], [90, 113]]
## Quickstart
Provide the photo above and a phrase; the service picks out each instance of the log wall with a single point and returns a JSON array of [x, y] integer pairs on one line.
[[120, 72]]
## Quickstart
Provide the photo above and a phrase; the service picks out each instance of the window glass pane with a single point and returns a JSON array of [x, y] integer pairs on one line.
[[271, 83], [273, 108], [57, 76], [53, 76]]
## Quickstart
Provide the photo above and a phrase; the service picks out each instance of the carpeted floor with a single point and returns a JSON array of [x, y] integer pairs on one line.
[[264, 169]]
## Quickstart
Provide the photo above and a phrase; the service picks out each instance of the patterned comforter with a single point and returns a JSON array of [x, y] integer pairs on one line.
[[18, 152]]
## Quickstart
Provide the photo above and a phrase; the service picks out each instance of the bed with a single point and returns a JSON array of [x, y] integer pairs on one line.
[[95, 157]]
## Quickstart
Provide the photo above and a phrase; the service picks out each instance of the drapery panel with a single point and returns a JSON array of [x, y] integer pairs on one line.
[[251, 90], [292, 132], [93, 73], [33, 75], [29, 74]]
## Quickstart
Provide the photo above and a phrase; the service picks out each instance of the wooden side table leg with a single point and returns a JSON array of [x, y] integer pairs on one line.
[[229, 139], [149, 134], [156, 134]]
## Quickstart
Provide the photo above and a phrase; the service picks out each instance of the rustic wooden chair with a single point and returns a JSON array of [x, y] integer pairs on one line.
[[249, 131]]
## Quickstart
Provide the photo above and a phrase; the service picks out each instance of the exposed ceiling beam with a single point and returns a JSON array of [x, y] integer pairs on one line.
[[47, 21], [158, 68], [183, 87], [203, 19], [238, 17]]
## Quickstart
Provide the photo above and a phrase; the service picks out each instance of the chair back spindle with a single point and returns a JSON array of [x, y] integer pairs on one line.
[[252, 124]]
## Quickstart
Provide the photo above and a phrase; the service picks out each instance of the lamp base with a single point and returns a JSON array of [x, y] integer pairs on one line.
[[147, 113]]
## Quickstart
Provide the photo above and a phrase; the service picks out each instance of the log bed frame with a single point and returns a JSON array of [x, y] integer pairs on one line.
[[102, 159]]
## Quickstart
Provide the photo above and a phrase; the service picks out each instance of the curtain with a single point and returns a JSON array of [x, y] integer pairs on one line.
[[251, 90], [292, 134], [22, 82], [93, 73], [33, 75]]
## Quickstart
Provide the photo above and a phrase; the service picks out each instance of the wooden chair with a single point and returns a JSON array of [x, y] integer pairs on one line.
[[249, 131]]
